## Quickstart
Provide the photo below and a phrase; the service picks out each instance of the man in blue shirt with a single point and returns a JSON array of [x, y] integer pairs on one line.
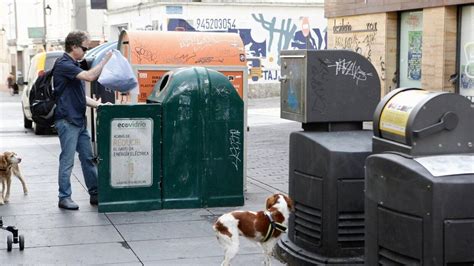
[[70, 117]]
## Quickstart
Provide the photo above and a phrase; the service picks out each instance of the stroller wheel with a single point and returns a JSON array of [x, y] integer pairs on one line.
[[9, 243], [22, 242]]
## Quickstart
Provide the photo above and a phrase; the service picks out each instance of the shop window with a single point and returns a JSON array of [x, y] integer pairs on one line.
[[466, 53], [410, 43]]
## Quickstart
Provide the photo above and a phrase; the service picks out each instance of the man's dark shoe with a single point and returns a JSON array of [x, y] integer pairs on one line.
[[94, 200], [68, 204]]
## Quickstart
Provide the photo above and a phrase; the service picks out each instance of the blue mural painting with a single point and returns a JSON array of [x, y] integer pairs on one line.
[[302, 42], [282, 34], [257, 49], [175, 23]]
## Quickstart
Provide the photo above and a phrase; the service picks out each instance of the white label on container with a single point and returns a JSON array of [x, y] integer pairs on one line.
[[443, 165], [131, 152]]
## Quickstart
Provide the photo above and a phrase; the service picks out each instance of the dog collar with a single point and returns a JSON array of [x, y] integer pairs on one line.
[[272, 226]]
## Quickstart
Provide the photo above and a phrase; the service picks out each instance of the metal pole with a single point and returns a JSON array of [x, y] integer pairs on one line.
[[44, 23], [16, 24], [16, 43]]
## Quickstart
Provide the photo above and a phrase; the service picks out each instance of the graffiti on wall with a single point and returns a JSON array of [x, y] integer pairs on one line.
[[361, 39], [262, 54]]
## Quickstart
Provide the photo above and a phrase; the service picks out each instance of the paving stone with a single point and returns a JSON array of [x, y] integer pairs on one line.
[[239, 259], [97, 254], [62, 236], [57, 220], [165, 230], [158, 216], [187, 248], [49, 207]]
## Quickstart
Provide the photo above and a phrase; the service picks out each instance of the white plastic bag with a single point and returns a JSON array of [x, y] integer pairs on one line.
[[117, 74]]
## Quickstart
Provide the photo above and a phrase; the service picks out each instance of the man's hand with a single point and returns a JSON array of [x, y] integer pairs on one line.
[[93, 74], [93, 103], [107, 57]]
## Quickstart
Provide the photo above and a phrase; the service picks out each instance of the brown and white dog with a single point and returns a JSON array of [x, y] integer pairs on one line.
[[263, 227], [8, 166]]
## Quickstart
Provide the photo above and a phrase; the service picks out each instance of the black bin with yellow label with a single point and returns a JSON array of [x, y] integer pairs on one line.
[[419, 183]]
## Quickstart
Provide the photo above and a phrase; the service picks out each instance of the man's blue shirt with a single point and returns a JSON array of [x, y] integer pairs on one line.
[[71, 104]]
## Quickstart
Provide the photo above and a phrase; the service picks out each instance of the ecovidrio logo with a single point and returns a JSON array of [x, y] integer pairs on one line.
[[132, 124]]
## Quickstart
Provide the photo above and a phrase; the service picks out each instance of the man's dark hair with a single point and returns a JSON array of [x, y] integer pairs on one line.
[[75, 38]]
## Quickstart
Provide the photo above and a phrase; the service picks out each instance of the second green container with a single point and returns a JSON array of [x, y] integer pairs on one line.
[[202, 139]]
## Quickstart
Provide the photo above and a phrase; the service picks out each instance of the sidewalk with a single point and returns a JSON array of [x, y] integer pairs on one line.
[[163, 237]]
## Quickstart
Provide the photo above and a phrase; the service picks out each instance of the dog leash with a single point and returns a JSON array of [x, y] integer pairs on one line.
[[272, 227]]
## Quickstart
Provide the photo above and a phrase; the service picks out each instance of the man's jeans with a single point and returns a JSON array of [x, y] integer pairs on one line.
[[72, 139]]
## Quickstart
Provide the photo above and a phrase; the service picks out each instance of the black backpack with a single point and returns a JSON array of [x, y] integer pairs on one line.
[[43, 100]]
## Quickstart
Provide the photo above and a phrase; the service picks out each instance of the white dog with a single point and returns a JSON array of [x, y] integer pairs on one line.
[[264, 227], [8, 167]]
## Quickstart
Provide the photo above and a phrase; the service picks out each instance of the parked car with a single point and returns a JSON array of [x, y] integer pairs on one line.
[[39, 64]]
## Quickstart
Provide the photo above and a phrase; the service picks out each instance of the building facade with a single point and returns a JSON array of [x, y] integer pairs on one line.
[[266, 28], [427, 44], [32, 26]]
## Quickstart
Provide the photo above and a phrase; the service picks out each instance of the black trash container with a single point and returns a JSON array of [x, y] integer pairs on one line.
[[419, 200], [331, 93]]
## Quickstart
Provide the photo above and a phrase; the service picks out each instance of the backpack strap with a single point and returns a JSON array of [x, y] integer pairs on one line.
[[52, 82]]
